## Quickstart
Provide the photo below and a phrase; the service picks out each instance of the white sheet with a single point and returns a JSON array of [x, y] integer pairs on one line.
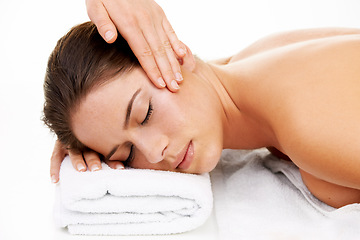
[[254, 199]]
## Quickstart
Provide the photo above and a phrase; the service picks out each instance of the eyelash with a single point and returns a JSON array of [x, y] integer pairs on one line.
[[149, 113], [130, 157], [146, 120]]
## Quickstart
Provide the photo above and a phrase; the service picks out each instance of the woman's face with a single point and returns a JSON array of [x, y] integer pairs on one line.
[[129, 118]]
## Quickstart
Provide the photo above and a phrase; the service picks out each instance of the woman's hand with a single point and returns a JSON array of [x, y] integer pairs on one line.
[[81, 161], [145, 27]]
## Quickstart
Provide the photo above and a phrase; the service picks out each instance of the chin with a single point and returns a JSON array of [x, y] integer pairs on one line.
[[208, 161]]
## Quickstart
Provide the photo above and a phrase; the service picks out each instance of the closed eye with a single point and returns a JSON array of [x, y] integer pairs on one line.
[[149, 113], [131, 156]]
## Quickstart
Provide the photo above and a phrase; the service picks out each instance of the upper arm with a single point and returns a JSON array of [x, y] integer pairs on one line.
[[325, 148], [330, 193], [289, 37]]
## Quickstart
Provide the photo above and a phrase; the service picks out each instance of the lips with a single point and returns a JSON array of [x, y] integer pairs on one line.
[[185, 157]]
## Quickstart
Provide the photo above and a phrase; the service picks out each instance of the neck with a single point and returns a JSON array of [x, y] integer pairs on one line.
[[241, 128]]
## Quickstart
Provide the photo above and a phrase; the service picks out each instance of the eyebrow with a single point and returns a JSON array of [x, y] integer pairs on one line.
[[126, 123], [129, 108]]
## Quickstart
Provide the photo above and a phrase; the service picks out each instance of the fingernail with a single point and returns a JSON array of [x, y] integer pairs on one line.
[[53, 179], [95, 168], [161, 82], [179, 77], [109, 35], [174, 84], [80, 167], [182, 51], [119, 166]]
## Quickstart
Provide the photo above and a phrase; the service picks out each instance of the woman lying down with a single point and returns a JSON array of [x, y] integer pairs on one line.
[[297, 93]]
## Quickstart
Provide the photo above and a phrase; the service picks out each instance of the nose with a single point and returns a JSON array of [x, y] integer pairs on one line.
[[152, 145]]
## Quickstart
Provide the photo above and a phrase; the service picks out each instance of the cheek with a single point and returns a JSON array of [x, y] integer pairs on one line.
[[140, 162], [194, 108], [168, 110]]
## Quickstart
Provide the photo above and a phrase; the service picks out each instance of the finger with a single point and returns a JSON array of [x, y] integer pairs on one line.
[[144, 54], [176, 44], [130, 30], [172, 57], [100, 17], [57, 157], [115, 164], [77, 160], [158, 48], [189, 53], [92, 160]]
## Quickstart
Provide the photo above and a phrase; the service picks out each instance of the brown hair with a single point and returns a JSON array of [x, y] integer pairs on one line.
[[80, 61]]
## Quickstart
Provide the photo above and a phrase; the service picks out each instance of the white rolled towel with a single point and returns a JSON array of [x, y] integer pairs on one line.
[[131, 201]]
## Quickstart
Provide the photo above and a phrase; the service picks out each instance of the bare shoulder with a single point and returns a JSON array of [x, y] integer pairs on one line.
[[285, 38]]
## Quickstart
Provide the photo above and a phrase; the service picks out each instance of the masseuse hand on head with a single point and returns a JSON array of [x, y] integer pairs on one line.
[[144, 26], [150, 36]]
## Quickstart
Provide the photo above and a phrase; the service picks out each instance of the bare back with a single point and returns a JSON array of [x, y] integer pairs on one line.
[[308, 91]]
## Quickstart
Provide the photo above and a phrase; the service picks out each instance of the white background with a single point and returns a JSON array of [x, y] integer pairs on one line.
[[28, 33]]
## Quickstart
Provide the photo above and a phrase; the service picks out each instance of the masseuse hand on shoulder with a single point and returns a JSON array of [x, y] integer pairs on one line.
[[152, 39]]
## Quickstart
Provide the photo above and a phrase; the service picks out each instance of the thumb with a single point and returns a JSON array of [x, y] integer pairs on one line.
[[188, 61]]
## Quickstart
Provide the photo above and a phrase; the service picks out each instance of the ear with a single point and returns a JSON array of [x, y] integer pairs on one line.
[[188, 61]]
